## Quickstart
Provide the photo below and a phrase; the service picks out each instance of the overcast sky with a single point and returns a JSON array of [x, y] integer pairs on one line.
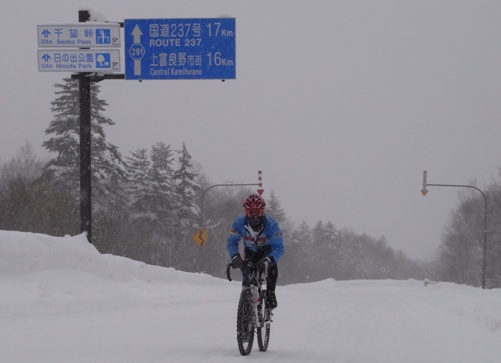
[[341, 104]]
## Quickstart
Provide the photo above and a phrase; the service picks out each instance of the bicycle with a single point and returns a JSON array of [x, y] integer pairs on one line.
[[252, 314]]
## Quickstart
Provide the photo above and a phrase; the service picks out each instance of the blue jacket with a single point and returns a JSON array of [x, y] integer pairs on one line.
[[271, 236]]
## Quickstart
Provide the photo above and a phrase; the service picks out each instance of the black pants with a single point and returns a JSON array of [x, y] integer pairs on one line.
[[271, 280]]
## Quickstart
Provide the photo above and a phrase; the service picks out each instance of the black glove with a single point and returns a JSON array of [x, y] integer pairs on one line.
[[264, 263], [236, 261]]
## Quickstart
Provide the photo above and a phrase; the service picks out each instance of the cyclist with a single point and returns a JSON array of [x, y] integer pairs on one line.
[[263, 244]]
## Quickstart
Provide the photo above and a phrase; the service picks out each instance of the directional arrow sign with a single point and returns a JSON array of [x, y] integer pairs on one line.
[[200, 237], [79, 60], [79, 35], [137, 50], [424, 191], [180, 48]]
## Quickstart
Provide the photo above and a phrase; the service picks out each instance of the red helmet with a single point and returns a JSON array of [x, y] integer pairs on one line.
[[254, 205]]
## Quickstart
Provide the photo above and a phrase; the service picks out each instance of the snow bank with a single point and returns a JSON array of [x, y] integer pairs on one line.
[[62, 301], [31, 252]]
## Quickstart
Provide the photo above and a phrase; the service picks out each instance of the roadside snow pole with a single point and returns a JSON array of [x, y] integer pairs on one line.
[[424, 191], [260, 180]]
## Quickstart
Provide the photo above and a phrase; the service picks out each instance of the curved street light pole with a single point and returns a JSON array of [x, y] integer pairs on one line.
[[218, 185], [484, 251]]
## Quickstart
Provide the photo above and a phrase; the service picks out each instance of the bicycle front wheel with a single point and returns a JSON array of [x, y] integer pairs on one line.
[[263, 331], [245, 328]]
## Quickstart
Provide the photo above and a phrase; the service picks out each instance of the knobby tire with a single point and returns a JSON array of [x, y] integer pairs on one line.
[[263, 333], [245, 328]]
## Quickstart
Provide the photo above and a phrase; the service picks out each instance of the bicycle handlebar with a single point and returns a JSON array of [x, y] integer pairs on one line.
[[249, 265]]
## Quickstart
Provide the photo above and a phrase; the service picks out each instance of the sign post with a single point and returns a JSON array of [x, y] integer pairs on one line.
[[85, 147], [154, 49]]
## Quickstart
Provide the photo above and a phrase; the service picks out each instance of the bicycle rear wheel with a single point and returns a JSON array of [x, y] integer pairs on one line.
[[245, 328], [263, 332]]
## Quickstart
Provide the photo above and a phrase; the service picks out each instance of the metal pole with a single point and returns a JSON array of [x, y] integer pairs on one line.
[[85, 147], [213, 186], [484, 252]]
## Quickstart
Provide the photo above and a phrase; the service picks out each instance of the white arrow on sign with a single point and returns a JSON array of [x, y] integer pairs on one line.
[[136, 34]]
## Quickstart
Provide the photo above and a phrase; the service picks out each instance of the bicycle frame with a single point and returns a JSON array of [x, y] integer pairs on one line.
[[257, 289]]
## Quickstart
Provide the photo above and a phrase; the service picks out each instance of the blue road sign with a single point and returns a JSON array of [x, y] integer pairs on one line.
[[180, 48]]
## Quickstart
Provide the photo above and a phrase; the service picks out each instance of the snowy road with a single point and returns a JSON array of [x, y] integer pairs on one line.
[[73, 305]]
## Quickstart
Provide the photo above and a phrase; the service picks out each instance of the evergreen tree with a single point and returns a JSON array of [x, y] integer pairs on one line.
[[139, 187], [108, 168], [183, 251], [162, 184], [330, 246], [295, 265], [275, 209], [162, 204], [301, 236], [142, 224], [325, 242], [186, 190]]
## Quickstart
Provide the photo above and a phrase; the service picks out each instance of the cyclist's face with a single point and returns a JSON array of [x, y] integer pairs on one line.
[[255, 218]]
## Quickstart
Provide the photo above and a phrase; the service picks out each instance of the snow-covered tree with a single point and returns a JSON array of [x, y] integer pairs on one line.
[[187, 187], [274, 208], [139, 188], [162, 184], [107, 166]]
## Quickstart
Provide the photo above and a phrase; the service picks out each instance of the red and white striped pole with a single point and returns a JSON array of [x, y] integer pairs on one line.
[[260, 181]]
